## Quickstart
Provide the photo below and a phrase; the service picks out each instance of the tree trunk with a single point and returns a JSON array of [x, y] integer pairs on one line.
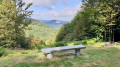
[[109, 35], [105, 36], [113, 35]]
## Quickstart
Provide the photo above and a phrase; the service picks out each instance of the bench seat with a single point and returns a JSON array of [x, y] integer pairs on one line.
[[49, 51]]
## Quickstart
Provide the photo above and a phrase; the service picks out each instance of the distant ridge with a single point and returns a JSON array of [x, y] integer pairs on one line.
[[54, 23]]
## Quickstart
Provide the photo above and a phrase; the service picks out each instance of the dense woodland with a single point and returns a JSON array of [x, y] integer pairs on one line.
[[99, 19]]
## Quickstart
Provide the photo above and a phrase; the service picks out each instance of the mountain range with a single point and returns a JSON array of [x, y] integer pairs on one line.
[[54, 23]]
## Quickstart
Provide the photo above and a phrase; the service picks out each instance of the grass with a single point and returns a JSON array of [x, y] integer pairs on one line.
[[92, 57]]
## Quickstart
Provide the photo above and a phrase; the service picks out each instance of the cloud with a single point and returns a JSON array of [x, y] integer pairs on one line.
[[49, 4], [64, 14]]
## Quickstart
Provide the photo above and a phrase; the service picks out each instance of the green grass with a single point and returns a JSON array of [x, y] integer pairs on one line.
[[92, 57]]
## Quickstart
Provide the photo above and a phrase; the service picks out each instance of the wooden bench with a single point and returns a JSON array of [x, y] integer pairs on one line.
[[49, 51]]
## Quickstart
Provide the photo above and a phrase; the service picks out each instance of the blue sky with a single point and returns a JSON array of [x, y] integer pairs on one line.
[[54, 9]]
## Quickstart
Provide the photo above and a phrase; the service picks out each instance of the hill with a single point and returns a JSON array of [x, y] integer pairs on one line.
[[41, 30], [54, 23]]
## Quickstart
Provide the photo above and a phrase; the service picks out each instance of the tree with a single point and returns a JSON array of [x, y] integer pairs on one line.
[[106, 12], [13, 23], [109, 9]]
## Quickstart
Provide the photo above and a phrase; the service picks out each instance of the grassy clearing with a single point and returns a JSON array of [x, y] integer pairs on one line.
[[92, 57]]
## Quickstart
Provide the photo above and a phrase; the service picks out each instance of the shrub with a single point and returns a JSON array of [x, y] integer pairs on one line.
[[118, 41], [90, 42], [77, 42], [49, 42], [71, 44], [39, 47], [50, 46], [74, 43], [2, 51], [57, 44], [31, 42], [85, 42]]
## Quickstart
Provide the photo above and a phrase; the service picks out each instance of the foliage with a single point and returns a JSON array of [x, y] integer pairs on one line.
[[32, 42], [12, 22], [97, 19], [72, 43], [24, 43], [118, 41], [90, 42], [39, 47], [2, 51], [41, 30], [82, 26], [84, 42], [50, 46], [57, 44], [60, 35], [50, 42], [107, 15]]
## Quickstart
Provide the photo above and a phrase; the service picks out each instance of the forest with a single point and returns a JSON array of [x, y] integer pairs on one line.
[[98, 19]]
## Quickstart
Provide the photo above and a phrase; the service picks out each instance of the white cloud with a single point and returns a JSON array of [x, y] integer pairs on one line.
[[49, 4], [64, 14]]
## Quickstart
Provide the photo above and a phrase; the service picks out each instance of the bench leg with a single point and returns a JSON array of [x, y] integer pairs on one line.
[[77, 52], [50, 55]]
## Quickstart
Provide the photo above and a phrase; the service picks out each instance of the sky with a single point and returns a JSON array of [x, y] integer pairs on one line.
[[64, 10]]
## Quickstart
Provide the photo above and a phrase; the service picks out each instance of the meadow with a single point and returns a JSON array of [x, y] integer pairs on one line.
[[91, 57]]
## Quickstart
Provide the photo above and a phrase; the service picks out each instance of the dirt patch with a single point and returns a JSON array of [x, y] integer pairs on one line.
[[111, 43]]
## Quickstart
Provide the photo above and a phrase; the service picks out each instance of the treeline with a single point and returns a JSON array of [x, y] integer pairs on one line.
[[13, 23], [98, 19]]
